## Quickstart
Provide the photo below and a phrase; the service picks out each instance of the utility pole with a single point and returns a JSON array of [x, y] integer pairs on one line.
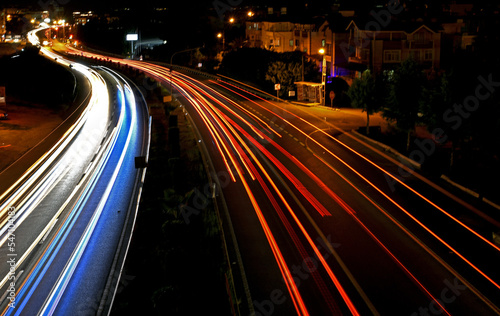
[[302, 67], [172, 65]]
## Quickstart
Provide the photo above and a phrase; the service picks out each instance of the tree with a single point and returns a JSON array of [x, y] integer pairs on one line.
[[248, 64], [285, 74], [405, 95], [339, 87], [363, 95], [286, 69]]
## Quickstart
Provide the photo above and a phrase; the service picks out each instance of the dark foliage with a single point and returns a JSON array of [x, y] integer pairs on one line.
[[30, 78]]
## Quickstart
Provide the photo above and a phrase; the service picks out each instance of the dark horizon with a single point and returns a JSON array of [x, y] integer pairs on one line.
[[100, 5]]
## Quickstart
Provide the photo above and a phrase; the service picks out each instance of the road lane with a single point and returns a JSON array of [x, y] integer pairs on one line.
[[59, 217], [494, 254]]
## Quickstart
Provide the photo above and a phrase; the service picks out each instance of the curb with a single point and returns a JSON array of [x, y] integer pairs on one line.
[[307, 105], [418, 166]]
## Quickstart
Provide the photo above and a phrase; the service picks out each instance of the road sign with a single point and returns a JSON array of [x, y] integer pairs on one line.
[[277, 86], [332, 95]]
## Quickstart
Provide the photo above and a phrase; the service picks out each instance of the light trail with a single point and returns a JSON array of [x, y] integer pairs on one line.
[[383, 193], [292, 288], [316, 250], [58, 290], [209, 111], [43, 175], [209, 115], [298, 184], [89, 128], [36, 275], [339, 201], [337, 284], [364, 158], [230, 124]]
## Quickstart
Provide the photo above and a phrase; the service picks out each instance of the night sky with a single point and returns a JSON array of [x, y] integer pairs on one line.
[[184, 7], [101, 4]]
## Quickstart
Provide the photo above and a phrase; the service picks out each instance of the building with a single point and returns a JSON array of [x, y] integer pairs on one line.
[[3, 27], [82, 18], [281, 36], [456, 34], [333, 39], [308, 38], [15, 22], [385, 49]]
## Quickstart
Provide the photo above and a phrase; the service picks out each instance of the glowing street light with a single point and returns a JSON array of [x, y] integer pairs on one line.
[[323, 74], [221, 35]]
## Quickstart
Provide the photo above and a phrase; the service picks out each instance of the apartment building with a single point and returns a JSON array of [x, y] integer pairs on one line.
[[280, 36], [384, 49], [348, 47]]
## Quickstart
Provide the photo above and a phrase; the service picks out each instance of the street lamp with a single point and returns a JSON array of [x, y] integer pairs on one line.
[[172, 65], [323, 74], [223, 34]]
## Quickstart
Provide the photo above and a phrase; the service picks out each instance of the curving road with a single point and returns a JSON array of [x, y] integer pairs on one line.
[[67, 221]]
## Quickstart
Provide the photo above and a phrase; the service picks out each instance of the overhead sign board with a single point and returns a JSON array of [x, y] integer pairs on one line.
[[132, 37]]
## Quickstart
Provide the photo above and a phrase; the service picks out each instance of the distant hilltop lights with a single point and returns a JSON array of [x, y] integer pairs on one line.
[[82, 17]]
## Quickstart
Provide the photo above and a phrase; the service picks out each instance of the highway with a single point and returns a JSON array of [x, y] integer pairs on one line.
[[397, 246], [320, 223], [67, 221]]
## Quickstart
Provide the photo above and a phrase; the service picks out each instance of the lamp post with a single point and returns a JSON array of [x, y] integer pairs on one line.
[[223, 34], [172, 65], [323, 74]]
